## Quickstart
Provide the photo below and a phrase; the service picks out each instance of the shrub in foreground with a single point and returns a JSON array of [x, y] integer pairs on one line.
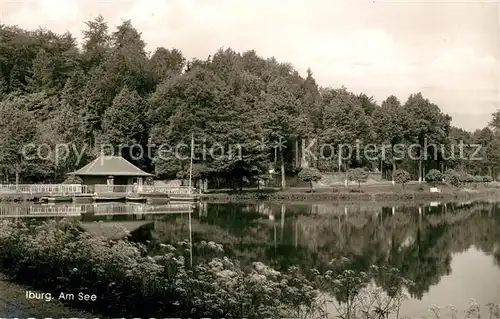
[[55, 256]]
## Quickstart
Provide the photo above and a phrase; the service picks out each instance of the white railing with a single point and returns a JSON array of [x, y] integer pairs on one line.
[[113, 209], [43, 189], [73, 189], [17, 210], [101, 188], [143, 189], [179, 190], [126, 209], [14, 210], [66, 210]]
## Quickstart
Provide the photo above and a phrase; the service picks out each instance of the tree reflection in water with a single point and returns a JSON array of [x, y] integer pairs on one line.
[[419, 241]]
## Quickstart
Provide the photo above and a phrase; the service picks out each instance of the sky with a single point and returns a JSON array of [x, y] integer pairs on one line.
[[448, 50]]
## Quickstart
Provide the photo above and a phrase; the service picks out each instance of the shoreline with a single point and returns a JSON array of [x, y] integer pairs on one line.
[[346, 197], [369, 195]]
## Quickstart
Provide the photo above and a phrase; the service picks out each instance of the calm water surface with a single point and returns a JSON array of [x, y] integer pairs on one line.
[[451, 252]]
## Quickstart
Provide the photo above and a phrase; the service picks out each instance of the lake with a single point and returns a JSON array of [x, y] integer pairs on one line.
[[450, 251]]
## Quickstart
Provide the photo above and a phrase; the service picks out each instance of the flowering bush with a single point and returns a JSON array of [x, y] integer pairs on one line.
[[473, 311], [56, 256], [378, 293]]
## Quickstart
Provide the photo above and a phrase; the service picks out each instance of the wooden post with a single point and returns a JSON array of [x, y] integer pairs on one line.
[[17, 181], [296, 233], [283, 211], [340, 225], [283, 177], [419, 218], [275, 244], [191, 161], [297, 158], [190, 238]]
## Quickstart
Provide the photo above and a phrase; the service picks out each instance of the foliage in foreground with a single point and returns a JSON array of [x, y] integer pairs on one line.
[[56, 256]]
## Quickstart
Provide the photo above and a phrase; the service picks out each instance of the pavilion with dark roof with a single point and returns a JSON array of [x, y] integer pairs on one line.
[[111, 170]]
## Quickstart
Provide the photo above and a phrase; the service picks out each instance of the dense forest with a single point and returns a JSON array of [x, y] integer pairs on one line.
[[110, 90]]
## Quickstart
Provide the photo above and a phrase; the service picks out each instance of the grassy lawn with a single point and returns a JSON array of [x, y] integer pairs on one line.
[[383, 191], [385, 186]]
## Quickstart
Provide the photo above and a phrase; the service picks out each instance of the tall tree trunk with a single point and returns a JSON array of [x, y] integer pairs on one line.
[[283, 180], [393, 168]]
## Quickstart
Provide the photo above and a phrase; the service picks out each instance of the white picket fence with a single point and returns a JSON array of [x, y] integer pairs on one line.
[[143, 189], [73, 189], [127, 209], [71, 210], [16, 210], [103, 188], [69, 189]]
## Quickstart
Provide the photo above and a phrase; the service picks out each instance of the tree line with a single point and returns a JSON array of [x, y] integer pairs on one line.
[[110, 90]]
